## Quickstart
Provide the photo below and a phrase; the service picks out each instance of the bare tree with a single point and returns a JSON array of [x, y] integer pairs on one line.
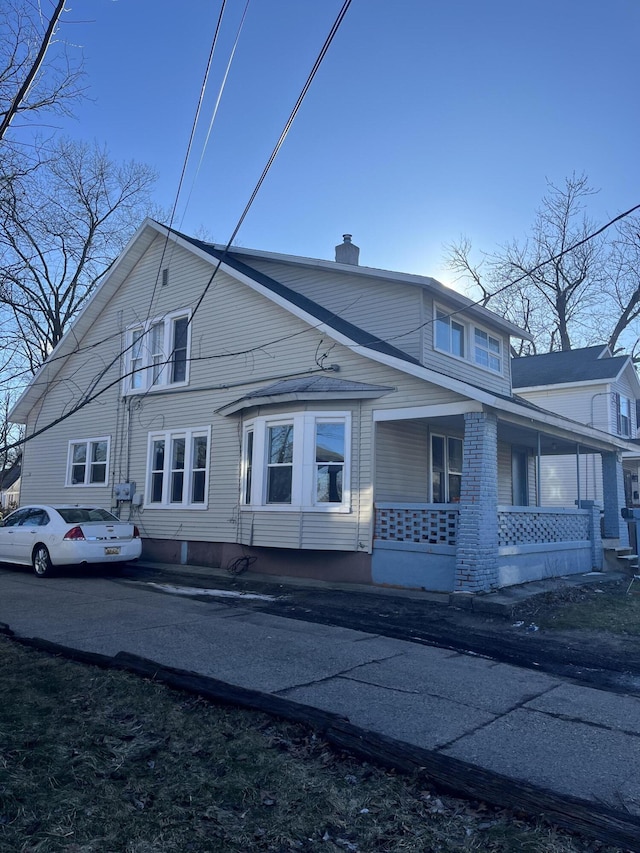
[[624, 271], [36, 73], [551, 293], [61, 226]]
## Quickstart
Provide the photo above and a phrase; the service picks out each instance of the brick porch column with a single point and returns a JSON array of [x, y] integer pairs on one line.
[[477, 542], [615, 527]]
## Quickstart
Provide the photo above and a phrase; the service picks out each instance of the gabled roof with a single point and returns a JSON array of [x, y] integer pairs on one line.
[[355, 333], [589, 364], [440, 291], [306, 309]]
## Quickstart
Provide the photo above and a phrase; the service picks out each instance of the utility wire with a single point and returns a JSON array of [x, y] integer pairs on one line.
[[192, 134]]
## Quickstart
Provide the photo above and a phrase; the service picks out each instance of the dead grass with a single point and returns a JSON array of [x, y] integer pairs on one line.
[[607, 608], [103, 762]]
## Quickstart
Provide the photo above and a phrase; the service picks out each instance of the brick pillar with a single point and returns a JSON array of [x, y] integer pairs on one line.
[[615, 527], [477, 542]]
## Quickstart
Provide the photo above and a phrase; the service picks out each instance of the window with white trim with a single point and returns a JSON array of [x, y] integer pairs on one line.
[[88, 462], [157, 353], [449, 333], [487, 350], [297, 462], [178, 469], [458, 338], [446, 469], [623, 415]]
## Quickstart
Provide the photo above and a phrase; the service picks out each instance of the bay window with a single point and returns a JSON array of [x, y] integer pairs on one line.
[[177, 469], [298, 461]]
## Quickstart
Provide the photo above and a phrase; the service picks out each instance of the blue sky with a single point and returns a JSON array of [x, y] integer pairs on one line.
[[426, 121]]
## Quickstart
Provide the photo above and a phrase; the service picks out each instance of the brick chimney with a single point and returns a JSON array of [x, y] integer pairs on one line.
[[347, 252]]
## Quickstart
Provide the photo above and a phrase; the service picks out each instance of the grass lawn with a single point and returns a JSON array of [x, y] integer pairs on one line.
[[96, 761], [607, 608]]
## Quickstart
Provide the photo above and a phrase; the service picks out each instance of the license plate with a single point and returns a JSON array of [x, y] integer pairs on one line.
[[108, 552]]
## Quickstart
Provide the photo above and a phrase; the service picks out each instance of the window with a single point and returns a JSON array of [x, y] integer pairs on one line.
[[453, 336], [446, 469], [88, 462], [623, 415], [450, 334], [279, 464], [487, 351], [157, 353], [298, 462], [177, 469]]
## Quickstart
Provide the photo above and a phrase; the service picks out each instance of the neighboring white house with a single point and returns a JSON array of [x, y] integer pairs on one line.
[[329, 419], [10, 486], [595, 388]]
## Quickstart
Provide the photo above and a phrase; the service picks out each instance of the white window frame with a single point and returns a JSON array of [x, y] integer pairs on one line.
[[88, 442], [447, 472], [623, 416], [491, 354], [451, 319], [304, 465], [169, 436], [146, 370], [468, 337]]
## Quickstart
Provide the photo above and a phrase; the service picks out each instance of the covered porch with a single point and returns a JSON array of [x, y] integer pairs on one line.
[[457, 498]]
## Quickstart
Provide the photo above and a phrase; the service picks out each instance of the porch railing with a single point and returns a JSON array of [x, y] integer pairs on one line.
[[536, 525], [434, 524]]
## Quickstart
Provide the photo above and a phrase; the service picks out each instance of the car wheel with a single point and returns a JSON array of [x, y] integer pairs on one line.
[[41, 562]]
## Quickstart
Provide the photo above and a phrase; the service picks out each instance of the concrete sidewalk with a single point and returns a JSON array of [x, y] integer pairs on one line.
[[534, 728]]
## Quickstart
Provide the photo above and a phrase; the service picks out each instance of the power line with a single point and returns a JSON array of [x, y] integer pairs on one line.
[[91, 393]]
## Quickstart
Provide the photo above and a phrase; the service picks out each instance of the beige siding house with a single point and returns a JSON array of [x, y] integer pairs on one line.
[[593, 387], [323, 418]]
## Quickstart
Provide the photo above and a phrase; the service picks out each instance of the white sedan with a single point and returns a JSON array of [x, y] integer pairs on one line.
[[48, 536]]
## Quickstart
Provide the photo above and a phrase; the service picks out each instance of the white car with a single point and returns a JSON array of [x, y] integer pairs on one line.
[[47, 536]]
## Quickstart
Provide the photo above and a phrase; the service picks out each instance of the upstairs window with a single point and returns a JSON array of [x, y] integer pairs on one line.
[[450, 334], [158, 353], [88, 462], [623, 415], [459, 338], [487, 351]]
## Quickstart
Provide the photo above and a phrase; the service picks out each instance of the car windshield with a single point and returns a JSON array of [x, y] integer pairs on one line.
[[81, 514]]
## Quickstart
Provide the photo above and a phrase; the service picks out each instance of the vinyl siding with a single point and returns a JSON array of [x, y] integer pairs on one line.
[[559, 484], [390, 310], [240, 339], [463, 368], [590, 405], [402, 461]]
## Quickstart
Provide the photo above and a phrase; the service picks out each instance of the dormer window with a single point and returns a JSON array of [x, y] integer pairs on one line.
[[487, 351], [450, 334], [464, 340]]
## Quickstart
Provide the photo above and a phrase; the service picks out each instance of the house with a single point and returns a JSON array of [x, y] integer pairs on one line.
[[10, 485], [596, 388], [331, 420]]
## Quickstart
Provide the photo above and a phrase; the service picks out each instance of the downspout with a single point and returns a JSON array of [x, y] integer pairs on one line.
[[538, 473], [578, 473]]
